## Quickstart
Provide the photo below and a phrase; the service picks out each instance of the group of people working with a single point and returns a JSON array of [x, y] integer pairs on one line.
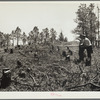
[[84, 45]]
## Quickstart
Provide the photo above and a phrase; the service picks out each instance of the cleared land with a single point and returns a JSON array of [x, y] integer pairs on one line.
[[52, 72]]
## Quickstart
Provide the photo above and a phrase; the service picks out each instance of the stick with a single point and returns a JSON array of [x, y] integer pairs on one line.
[[34, 80], [22, 54]]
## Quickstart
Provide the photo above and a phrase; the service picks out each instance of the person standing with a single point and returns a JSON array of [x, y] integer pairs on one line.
[[88, 46], [81, 48], [85, 43]]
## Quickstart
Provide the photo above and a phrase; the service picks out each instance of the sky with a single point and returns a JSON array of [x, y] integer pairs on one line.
[[26, 15]]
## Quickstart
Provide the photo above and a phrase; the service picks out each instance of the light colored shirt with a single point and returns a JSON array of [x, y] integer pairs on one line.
[[87, 42]]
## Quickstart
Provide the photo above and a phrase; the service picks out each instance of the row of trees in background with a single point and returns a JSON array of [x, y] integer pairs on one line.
[[87, 22], [34, 36]]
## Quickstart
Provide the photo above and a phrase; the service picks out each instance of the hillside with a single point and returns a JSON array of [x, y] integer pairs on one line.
[[51, 72], [73, 43]]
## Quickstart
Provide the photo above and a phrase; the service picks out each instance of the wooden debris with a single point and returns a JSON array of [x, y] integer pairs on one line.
[[36, 58], [5, 50], [11, 51], [6, 78], [34, 80], [1, 59], [91, 85], [28, 70], [22, 74], [22, 54], [19, 64], [67, 58]]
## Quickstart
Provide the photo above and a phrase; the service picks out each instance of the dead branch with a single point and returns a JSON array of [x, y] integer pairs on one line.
[[45, 74], [33, 80], [81, 71], [61, 67], [95, 85], [31, 87], [94, 77], [16, 82], [15, 87], [22, 54]]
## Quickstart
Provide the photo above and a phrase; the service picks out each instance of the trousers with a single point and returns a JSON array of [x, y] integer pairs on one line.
[[81, 52]]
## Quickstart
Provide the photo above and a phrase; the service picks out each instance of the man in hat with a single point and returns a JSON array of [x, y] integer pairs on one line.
[[81, 48], [85, 43], [88, 46]]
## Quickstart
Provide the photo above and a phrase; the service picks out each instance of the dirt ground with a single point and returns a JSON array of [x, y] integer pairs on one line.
[[51, 72]]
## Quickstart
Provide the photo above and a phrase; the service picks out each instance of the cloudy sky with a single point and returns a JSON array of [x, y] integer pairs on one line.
[[26, 15]]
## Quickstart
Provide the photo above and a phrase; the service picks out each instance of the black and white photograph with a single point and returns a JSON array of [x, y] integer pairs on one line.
[[49, 46]]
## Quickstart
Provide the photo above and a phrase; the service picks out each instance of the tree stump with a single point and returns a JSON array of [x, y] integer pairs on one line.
[[68, 57], [5, 50], [22, 74], [50, 51], [18, 46], [28, 70], [6, 78], [11, 51], [1, 59], [36, 58], [19, 64]]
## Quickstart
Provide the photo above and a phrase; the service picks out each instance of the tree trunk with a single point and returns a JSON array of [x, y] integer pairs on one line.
[[13, 42], [17, 41], [7, 44]]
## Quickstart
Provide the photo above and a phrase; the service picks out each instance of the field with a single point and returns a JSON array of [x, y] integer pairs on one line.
[[51, 72]]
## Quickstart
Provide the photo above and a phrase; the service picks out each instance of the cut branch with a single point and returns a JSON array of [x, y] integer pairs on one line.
[[34, 80]]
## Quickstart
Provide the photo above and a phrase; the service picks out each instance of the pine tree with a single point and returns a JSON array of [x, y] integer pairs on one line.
[[36, 34], [86, 21], [24, 38], [46, 34], [53, 35], [65, 39], [61, 37], [18, 34]]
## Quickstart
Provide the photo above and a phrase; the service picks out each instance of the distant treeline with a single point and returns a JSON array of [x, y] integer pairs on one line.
[[33, 36]]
